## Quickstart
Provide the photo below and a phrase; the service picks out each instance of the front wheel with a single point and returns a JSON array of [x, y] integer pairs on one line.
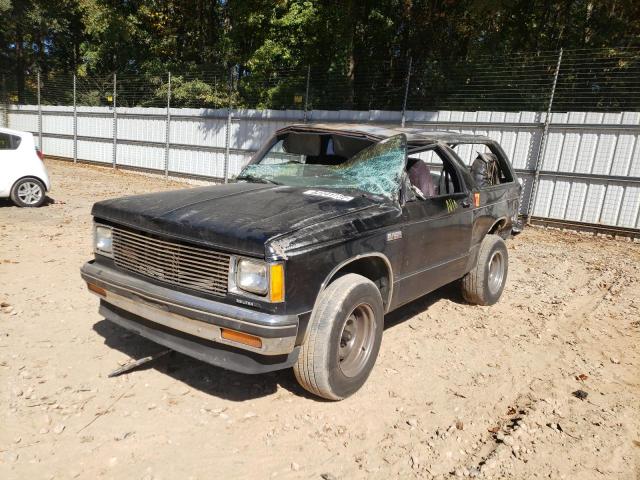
[[28, 192], [345, 333], [484, 284]]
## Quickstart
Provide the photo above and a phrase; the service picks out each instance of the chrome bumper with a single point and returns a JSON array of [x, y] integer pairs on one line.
[[190, 314]]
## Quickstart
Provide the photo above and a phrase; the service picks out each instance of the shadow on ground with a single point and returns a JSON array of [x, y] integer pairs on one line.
[[230, 385], [449, 292], [6, 202]]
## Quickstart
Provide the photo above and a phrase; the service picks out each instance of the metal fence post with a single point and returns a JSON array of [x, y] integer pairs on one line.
[[533, 197], [167, 130], [406, 92], [306, 94], [227, 146], [114, 152], [75, 122], [4, 101], [39, 112], [227, 136]]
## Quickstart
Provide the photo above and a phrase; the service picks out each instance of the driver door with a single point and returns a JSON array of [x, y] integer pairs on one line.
[[436, 231]]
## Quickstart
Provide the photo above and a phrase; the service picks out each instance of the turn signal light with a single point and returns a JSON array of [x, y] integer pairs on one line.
[[240, 337], [476, 199], [276, 284], [96, 289]]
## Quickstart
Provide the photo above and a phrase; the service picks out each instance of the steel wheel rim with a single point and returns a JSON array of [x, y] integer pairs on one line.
[[496, 272], [356, 340], [29, 193]]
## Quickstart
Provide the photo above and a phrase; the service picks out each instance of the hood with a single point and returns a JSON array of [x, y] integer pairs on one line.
[[240, 217]]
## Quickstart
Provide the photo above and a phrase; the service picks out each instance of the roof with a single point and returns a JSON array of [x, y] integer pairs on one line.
[[18, 133], [415, 135]]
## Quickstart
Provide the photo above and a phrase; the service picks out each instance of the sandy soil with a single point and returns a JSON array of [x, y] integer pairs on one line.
[[457, 390]]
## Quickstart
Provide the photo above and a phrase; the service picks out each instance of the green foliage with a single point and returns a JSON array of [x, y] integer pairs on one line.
[[92, 98], [195, 93], [357, 50]]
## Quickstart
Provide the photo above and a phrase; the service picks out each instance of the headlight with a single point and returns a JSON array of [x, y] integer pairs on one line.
[[252, 276], [103, 242]]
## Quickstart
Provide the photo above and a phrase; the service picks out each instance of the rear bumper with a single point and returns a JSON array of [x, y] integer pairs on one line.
[[193, 325], [44, 176]]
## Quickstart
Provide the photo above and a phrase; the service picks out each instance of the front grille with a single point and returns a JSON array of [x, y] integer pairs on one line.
[[171, 262]]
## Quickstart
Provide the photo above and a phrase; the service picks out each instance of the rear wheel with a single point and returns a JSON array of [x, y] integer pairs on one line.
[[344, 338], [28, 192], [484, 284]]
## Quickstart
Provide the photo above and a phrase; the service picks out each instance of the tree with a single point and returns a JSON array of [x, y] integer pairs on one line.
[[358, 51]]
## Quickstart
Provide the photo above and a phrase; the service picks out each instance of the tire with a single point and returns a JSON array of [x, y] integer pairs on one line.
[[484, 284], [28, 192], [345, 333]]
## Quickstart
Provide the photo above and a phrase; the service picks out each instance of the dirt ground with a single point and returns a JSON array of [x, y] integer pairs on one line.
[[458, 390]]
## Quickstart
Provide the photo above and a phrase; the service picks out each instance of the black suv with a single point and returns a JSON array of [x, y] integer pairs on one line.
[[295, 264]]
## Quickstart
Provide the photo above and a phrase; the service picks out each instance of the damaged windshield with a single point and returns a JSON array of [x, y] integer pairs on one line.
[[293, 160]]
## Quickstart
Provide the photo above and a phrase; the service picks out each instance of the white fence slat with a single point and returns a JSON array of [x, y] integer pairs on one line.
[[629, 207], [600, 148]]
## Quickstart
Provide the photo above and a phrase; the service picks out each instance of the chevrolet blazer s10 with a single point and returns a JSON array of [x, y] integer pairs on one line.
[[296, 263]]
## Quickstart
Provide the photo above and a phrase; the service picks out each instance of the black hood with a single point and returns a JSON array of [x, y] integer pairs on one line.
[[238, 217]]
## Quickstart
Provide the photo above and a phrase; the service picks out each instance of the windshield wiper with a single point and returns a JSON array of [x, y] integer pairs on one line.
[[256, 179]]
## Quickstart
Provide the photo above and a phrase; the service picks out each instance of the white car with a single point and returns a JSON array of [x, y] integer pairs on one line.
[[23, 176]]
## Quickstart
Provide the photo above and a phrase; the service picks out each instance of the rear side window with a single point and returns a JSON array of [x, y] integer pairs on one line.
[[9, 142], [469, 154]]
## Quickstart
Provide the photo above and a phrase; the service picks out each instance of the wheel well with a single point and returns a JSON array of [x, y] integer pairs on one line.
[[26, 177], [499, 228], [374, 268]]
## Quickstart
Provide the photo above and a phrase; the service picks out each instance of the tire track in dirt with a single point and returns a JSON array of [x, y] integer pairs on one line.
[[500, 448]]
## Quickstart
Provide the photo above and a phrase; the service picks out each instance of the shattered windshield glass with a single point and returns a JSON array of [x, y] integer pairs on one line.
[[376, 169]]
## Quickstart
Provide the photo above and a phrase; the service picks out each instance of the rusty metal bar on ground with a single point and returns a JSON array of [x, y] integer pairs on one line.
[[133, 365]]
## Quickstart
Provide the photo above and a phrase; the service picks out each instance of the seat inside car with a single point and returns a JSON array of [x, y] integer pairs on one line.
[[420, 177], [485, 169]]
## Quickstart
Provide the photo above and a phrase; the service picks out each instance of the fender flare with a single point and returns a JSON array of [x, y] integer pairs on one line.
[[497, 222], [346, 262]]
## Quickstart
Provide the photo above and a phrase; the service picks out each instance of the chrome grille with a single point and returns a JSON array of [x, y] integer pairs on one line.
[[171, 262]]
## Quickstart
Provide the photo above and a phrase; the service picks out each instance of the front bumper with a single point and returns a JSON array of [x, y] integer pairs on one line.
[[193, 325]]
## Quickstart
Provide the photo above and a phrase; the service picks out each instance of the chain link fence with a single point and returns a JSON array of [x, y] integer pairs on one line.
[[563, 116], [587, 80]]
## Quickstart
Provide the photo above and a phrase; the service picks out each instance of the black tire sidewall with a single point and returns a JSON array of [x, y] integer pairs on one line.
[[490, 297], [20, 203], [341, 385]]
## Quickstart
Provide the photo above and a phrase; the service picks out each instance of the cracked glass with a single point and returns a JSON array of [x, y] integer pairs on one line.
[[376, 170]]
